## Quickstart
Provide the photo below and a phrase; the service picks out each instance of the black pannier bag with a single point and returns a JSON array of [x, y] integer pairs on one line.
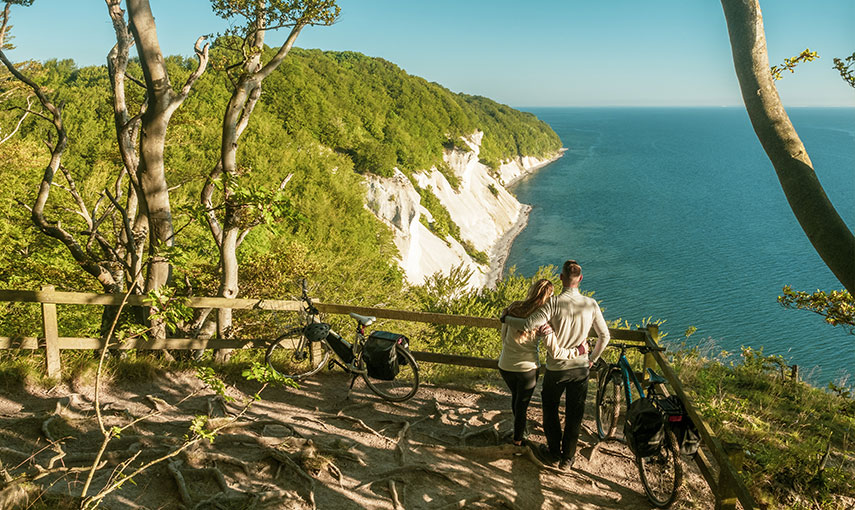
[[380, 356], [341, 347], [679, 422], [644, 429]]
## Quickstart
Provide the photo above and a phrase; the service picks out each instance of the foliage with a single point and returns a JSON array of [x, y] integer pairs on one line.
[[450, 294], [333, 100], [837, 306], [791, 63], [322, 115], [845, 68], [440, 222], [783, 425]]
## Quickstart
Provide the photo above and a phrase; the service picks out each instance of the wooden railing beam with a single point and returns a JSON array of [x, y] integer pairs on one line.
[[727, 473]]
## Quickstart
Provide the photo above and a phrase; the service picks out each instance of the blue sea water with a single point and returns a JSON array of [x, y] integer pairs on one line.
[[677, 214]]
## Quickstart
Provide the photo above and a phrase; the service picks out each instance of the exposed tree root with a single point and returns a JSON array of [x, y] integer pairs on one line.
[[401, 446], [311, 419], [174, 467], [283, 458], [46, 428], [494, 501], [407, 469], [357, 421], [158, 403], [396, 502], [214, 458]]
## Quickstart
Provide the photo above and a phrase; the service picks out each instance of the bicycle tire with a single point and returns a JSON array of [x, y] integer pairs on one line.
[[289, 355], [662, 474], [404, 385], [609, 396]]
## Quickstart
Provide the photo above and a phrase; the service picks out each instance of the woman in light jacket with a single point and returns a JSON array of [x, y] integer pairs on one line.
[[518, 361]]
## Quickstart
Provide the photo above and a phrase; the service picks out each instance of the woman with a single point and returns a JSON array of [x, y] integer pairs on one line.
[[518, 361]]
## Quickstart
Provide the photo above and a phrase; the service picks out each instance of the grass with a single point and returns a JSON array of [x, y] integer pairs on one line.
[[785, 427]]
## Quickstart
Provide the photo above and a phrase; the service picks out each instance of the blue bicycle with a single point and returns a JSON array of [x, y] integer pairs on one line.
[[662, 472]]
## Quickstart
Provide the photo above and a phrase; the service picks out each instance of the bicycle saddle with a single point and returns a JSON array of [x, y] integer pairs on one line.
[[655, 378], [365, 320]]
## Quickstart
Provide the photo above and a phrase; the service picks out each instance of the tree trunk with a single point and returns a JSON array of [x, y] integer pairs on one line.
[[826, 230]]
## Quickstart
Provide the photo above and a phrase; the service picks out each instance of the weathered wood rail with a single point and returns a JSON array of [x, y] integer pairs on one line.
[[725, 482]]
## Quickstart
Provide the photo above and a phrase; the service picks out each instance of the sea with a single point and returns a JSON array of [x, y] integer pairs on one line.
[[676, 215]]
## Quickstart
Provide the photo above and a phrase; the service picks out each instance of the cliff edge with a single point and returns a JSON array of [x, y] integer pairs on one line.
[[480, 205]]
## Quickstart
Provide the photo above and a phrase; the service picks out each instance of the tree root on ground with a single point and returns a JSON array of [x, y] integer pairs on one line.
[[357, 421], [174, 468], [401, 445], [494, 501], [492, 428], [411, 468], [283, 458], [396, 502]]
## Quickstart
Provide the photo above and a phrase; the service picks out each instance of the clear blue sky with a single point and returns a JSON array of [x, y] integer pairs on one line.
[[535, 53]]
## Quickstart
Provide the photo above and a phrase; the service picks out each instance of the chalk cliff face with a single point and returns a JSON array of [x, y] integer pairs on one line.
[[481, 206]]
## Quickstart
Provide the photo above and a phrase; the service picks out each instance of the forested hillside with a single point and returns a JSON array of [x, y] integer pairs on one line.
[[324, 117]]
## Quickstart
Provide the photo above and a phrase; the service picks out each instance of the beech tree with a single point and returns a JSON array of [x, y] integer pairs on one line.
[[238, 210], [134, 212], [824, 227]]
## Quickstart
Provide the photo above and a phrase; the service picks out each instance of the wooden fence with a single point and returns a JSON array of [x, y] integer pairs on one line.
[[726, 483]]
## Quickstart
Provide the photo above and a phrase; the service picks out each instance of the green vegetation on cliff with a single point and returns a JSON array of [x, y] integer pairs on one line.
[[322, 115], [383, 117]]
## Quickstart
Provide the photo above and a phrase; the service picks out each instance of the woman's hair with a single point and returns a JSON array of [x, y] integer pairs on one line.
[[538, 293]]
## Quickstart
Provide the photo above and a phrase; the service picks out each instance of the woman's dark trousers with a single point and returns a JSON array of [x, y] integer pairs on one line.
[[573, 384], [522, 386]]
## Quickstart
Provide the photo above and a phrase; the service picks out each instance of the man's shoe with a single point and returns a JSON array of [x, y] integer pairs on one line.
[[546, 456], [566, 464]]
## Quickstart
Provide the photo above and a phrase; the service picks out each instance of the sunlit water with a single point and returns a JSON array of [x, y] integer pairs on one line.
[[677, 214]]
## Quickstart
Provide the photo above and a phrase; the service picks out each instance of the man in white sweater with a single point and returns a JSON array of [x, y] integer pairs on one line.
[[571, 315]]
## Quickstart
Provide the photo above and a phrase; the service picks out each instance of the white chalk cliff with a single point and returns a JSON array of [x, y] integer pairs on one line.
[[481, 206]]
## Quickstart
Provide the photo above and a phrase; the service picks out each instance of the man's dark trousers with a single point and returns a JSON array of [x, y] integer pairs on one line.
[[573, 384]]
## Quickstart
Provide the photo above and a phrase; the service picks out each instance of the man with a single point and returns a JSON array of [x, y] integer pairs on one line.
[[571, 315]]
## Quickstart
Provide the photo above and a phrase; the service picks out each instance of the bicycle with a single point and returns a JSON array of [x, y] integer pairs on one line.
[[302, 351], [661, 473]]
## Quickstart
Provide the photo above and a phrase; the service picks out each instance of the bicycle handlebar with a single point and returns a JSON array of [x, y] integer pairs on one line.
[[310, 307]]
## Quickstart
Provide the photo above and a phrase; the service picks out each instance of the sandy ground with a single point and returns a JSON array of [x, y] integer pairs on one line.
[[443, 448]]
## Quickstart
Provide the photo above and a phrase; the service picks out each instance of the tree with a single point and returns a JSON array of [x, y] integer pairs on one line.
[[824, 227], [111, 242], [232, 224]]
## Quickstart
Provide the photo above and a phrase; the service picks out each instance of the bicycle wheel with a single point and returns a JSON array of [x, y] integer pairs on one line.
[[290, 355], [404, 385], [609, 396], [662, 474]]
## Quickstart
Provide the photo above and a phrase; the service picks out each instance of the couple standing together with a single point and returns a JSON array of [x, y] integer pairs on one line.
[[563, 321]]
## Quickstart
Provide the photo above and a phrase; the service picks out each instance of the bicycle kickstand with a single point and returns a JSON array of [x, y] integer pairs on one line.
[[350, 389]]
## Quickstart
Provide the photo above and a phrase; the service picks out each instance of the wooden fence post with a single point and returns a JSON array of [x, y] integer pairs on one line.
[[51, 331], [649, 360], [726, 498]]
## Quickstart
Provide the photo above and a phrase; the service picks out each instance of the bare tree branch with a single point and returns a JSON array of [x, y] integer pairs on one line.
[[21, 120]]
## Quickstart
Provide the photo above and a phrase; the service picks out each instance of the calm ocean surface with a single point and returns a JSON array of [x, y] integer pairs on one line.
[[676, 213]]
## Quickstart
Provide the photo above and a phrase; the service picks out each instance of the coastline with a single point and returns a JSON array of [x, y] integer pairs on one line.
[[502, 248], [500, 251], [535, 168]]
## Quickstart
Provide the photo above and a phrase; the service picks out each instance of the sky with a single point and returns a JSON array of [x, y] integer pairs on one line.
[[524, 54]]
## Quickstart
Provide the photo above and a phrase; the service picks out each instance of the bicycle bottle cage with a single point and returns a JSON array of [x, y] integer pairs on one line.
[[316, 331]]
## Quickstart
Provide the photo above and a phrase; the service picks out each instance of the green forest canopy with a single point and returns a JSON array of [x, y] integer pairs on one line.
[[322, 116]]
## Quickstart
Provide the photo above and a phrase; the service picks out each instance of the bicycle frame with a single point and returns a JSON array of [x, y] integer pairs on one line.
[[628, 376]]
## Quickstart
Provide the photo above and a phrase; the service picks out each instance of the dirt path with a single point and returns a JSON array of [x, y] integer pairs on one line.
[[444, 448]]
